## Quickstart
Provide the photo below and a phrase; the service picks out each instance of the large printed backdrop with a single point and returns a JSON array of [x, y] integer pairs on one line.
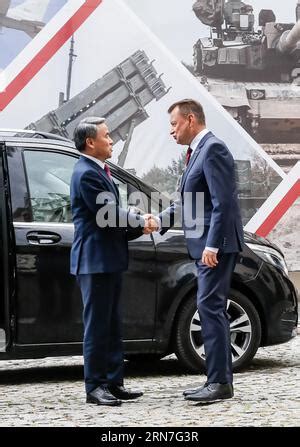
[[108, 36]]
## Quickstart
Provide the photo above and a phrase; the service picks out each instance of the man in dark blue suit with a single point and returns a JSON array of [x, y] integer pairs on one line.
[[99, 255], [213, 241]]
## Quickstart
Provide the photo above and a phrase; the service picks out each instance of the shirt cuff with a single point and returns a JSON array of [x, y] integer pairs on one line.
[[158, 221], [215, 250]]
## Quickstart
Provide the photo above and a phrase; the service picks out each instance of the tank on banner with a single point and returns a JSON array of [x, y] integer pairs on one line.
[[264, 64]]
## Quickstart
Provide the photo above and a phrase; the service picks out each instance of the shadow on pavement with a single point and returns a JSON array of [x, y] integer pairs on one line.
[[75, 372], [153, 368], [41, 374]]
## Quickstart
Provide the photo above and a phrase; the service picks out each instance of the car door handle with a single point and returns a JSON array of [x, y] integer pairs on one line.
[[42, 238]]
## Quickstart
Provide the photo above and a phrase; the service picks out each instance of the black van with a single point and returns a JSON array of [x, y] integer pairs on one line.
[[40, 303]]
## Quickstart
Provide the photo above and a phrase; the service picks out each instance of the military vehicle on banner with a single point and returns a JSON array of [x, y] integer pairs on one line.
[[253, 71], [120, 96]]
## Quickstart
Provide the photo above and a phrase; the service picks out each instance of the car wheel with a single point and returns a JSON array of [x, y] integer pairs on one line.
[[245, 329]]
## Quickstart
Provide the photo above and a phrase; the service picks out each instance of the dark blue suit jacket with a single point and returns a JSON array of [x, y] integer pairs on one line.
[[210, 171], [95, 249]]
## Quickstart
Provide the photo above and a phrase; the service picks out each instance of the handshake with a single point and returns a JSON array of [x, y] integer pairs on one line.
[[151, 223]]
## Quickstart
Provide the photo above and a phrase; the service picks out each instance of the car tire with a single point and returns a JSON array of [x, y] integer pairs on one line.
[[245, 333]]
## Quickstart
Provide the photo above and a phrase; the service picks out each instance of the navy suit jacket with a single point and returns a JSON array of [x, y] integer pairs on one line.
[[96, 249], [211, 172]]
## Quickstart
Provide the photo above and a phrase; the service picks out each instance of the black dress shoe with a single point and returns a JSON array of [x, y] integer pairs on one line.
[[121, 393], [194, 390], [212, 392], [102, 396]]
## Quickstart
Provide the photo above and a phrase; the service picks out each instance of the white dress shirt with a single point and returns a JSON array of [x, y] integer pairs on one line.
[[197, 140], [96, 160]]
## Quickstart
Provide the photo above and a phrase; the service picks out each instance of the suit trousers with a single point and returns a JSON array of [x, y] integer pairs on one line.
[[102, 343], [213, 289]]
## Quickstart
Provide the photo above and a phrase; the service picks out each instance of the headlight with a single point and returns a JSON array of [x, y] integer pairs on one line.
[[269, 255]]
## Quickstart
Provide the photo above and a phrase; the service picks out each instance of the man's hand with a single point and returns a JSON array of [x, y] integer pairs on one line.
[[150, 224], [209, 258]]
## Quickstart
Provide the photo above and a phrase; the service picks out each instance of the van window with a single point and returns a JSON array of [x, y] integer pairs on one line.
[[49, 177], [130, 196]]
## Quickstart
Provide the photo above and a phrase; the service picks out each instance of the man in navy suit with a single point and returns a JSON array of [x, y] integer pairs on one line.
[[214, 241], [99, 255]]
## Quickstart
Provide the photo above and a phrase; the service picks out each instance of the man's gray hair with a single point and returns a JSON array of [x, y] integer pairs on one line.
[[87, 128]]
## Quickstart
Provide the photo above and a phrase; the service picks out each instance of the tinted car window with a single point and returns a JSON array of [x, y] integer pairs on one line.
[[49, 176], [131, 197]]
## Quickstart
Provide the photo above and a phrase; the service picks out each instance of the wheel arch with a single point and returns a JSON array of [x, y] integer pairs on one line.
[[192, 291], [165, 331], [243, 289]]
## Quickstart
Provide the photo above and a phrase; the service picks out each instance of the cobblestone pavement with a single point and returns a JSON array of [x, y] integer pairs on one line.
[[49, 392]]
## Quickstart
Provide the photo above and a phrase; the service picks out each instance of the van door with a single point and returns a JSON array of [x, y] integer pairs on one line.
[[6, 277], [48, 301], [139, 290]]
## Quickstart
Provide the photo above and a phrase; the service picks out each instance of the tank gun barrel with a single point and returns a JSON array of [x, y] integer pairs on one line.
[[289, 39]]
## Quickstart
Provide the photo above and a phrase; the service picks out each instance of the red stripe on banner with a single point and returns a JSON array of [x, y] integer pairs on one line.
[[48, 51], [277, 213]]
